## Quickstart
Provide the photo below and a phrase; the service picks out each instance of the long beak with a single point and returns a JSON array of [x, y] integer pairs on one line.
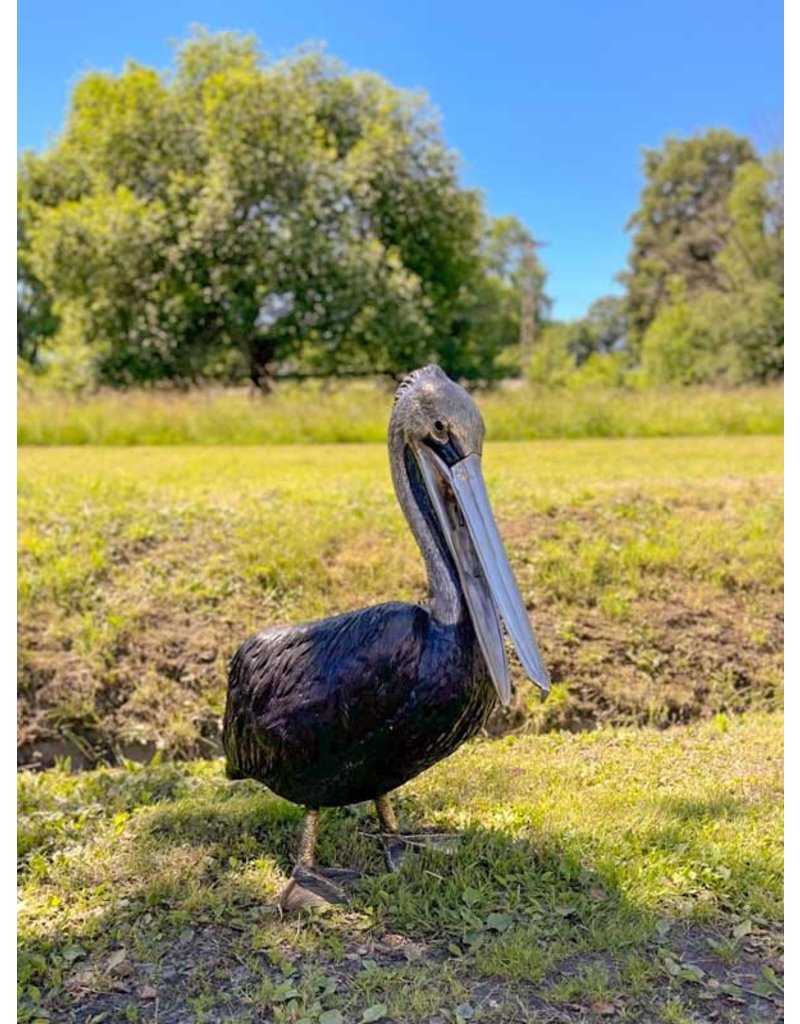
[[459, 497]]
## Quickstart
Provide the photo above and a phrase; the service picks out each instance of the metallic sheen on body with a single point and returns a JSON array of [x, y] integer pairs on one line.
[[350, 707]]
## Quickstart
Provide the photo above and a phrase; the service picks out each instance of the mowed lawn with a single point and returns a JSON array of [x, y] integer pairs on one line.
[[607, 873], [652, 570], [622, 875]]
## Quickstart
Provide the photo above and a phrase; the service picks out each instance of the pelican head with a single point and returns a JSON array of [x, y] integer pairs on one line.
[[438, 427]]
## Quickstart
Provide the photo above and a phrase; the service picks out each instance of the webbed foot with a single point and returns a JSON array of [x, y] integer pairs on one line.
[[397, 845], [312, 886]]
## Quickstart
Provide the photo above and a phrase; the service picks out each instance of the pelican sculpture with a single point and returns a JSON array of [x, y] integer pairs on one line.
[[348, 708]]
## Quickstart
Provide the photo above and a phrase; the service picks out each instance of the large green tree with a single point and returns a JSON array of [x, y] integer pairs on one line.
[[732, 332], [236, 214], [683, 222]]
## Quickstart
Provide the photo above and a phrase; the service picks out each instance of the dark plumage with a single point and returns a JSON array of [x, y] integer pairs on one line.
[[347, 709]]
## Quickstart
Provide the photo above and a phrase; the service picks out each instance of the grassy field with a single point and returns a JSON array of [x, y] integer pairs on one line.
[[624, 875], [604, 871], [652, 570], [314, 413]]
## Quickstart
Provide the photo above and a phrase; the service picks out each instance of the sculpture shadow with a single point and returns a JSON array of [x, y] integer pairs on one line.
[[199, 881]]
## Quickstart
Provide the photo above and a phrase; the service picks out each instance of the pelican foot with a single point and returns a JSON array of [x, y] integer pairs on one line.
[[316, 887], [394, 852], [396, 845]]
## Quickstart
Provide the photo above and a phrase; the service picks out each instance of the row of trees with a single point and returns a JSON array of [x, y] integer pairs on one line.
[[238, 217], [703, 295]]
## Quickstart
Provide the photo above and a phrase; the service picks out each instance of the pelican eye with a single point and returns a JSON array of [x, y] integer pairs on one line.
[[439, 427]]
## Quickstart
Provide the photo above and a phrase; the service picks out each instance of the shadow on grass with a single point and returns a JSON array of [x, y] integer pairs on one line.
[[188, 892], [720, 808]]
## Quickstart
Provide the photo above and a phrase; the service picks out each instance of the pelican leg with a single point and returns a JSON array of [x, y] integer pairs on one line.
[[396, 844], [311, 885], [308, 839], [394, 848]]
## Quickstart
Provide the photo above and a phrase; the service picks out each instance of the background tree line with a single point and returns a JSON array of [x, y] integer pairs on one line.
[[703, 299], [237, 218]]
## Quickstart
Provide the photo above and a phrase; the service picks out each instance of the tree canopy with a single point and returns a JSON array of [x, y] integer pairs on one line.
[[719, 312], [237, 214], [703, 298], [683, 221], [235, 217]]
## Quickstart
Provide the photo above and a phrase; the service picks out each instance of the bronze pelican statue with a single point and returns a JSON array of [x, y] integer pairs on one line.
[[348, 708]]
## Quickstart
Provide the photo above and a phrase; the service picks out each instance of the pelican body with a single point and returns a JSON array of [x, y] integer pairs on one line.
[[349, 708]]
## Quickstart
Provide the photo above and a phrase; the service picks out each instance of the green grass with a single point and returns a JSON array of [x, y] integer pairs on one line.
[[652, 570], [633, 874], [622, 874], [319, 414]]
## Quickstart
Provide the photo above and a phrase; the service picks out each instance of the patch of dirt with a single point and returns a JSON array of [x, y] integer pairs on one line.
[[743, 985], [163, 691], [669, 662], [159, 684], [167, 988]]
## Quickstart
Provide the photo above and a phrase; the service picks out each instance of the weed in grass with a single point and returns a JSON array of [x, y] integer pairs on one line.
[[675, 1012]]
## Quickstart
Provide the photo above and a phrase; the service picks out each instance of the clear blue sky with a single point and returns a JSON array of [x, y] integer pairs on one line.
[[548, 103]]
